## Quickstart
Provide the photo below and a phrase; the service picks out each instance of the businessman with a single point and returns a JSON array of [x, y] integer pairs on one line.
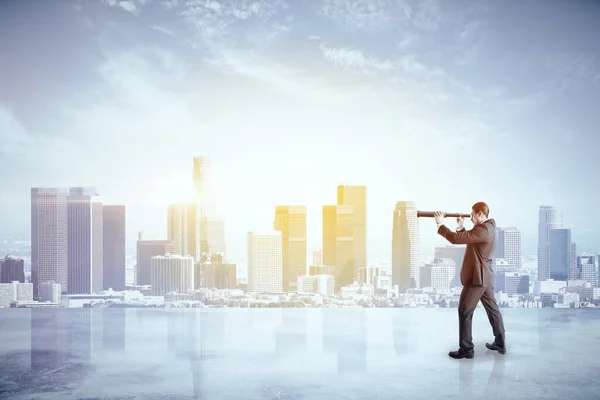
[[477, 278]]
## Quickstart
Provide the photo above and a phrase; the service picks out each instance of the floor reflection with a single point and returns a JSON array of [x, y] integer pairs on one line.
[[293, 353]]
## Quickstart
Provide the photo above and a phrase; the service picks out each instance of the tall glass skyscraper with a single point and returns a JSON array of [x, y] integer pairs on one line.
[[405, 246], [550, 217]]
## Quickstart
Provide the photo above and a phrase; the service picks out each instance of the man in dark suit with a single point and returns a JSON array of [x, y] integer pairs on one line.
[[477, 278]]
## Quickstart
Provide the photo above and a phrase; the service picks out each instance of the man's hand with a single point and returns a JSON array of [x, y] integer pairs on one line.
[[439, 217], [461, 222]]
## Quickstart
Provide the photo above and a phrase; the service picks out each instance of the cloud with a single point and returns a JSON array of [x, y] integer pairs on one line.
[[139, 111], [285, 79], [353, 59], [570, 69], [404, 70], [170, 4], [163, 30], [42, 155], [14, 140], [129, 6], [408, 40], [427, 15], [366, 14], [469, 29]]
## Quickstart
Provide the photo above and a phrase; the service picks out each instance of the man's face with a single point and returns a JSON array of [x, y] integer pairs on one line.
[[476, 217]]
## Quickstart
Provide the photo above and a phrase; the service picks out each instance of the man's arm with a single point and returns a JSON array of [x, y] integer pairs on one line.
[[476, 235]]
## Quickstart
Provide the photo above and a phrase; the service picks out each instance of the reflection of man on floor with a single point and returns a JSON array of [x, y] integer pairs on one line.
[[476, 276]]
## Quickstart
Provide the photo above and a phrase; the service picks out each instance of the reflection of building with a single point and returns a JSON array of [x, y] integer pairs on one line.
[[352, 350], [172, 273], [400, 329], [85, 237], [61, 338], [405, 247], [114, 247], [12, 269], [264, 263], [292, 335], [114, 324], [80, 334], [291, 222], [196, 336], [345, 335], [49, 330], [48, 237]]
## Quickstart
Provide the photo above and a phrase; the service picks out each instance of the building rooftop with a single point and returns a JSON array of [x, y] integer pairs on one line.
[[264, 353]]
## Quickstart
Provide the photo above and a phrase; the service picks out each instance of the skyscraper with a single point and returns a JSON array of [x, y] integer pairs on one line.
[[317, 258], [550, 217], [114, 247], [202, 182], [338, 243], [210, 228], [146, 249], [49, 237], [509, 246], [215, 234], [560, 254], [264, 263], [356, 196], [573, 273], [85, 237], [457, 254], [171, 273], [181, 228], [588, 267], [291, 222], [12, 269], [405, 246]]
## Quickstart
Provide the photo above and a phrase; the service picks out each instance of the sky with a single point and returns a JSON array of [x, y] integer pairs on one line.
[[444, 104]]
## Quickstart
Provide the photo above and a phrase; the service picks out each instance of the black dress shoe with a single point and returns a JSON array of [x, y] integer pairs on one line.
[[461, 354], [494, 346]]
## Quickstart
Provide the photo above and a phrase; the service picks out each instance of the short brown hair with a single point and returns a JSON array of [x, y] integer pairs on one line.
[[481, 207]]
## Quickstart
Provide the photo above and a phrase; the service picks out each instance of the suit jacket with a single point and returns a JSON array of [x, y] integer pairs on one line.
[[477, 267]]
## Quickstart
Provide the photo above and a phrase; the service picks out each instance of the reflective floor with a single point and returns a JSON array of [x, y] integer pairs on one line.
[[293, 354]]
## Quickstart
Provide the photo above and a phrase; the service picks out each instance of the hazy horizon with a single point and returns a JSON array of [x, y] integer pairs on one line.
[[418, 100]]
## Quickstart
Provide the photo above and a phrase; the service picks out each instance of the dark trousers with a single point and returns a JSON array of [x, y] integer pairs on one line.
[[469, 297]]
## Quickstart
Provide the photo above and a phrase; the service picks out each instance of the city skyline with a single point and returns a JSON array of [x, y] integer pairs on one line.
[[178, 219], [277, 259], [293, 99]]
